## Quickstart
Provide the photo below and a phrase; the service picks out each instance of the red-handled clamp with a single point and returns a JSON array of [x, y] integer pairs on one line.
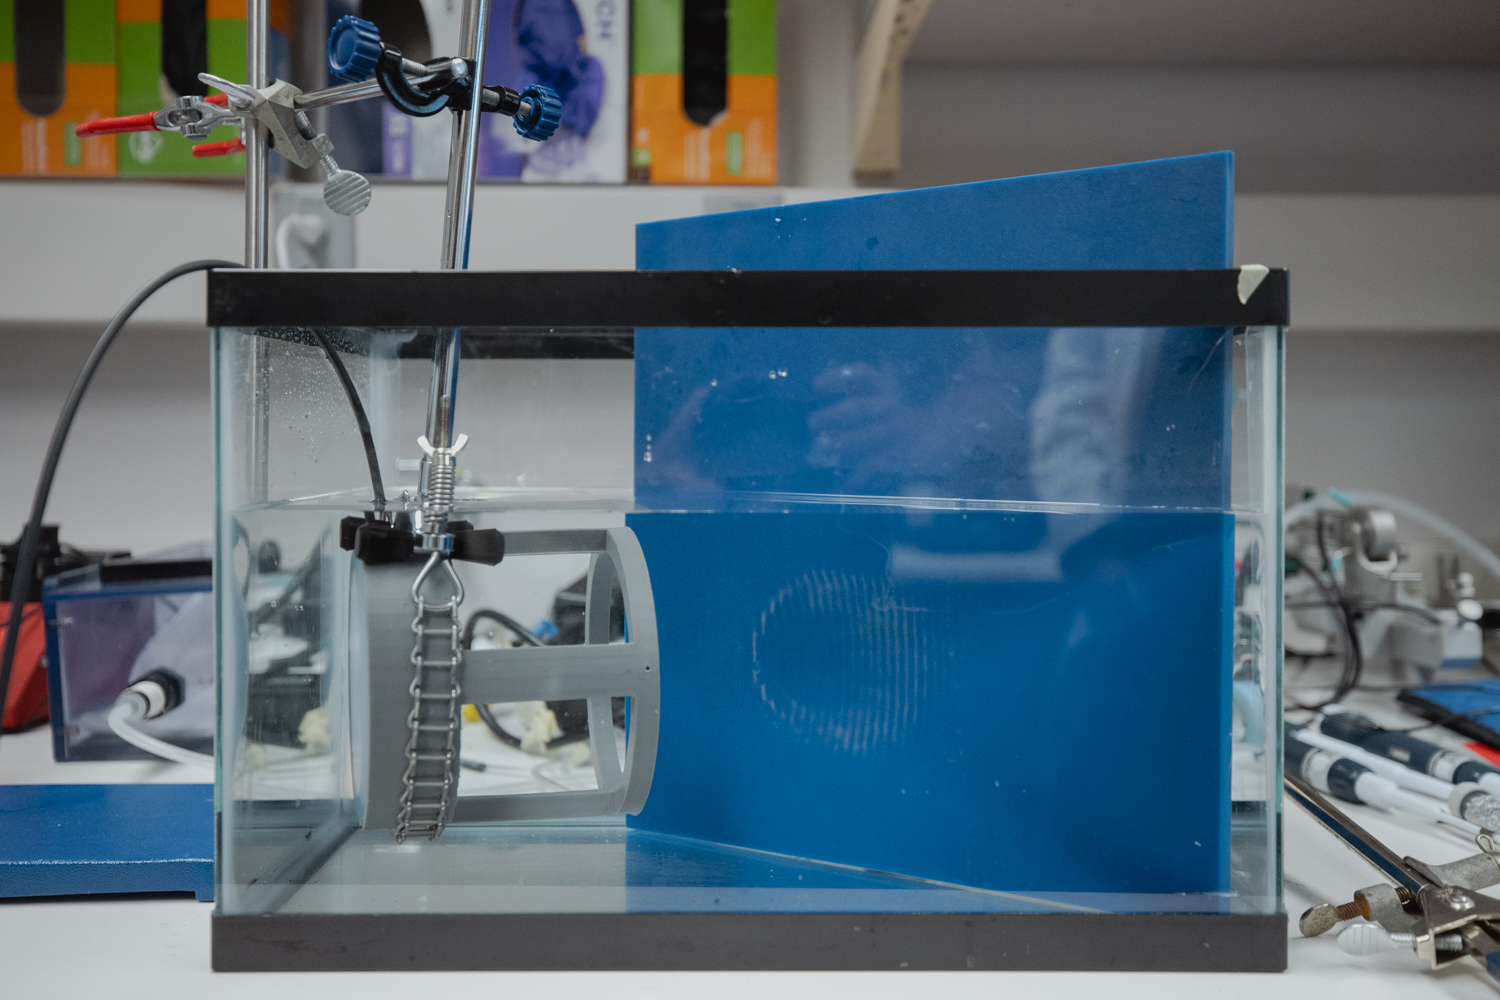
[[228, 148], [114, 126], [193, 117]]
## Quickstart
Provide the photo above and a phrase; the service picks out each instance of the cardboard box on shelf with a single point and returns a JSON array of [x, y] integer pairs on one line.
[[576, 47], [56, 70], [162, 46], [703, 92]]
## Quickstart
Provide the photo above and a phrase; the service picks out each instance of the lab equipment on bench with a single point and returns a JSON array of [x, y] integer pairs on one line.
[[1435, 911], [26, 703], [1417, 754], [1345, 775], [111, 624], [1471, 708], [1394, 770], [130, 674], [825, 690], [1351, 587]]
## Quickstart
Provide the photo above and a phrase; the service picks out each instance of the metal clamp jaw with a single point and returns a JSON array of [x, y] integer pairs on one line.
[[196, 117], [1436, 909], [273, 111]]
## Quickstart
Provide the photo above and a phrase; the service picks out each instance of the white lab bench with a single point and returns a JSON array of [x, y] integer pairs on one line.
[[158, 946]]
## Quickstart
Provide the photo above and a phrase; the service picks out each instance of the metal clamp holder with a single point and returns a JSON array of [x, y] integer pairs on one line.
[[596, 671]]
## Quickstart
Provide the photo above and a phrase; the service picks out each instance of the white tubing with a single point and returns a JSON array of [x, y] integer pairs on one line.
[[1401, 508], [130, 708]]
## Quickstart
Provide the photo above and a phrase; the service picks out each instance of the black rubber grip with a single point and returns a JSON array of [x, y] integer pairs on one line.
[[1472, 770], [1362, 732], [1342, 777]]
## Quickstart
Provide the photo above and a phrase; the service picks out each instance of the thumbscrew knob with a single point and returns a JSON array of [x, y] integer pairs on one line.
[[353, 48]]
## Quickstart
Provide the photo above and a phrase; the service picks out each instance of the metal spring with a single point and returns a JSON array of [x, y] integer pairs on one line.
[[440, 477]]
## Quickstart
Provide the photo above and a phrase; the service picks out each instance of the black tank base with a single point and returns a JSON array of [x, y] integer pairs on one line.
[[1080, 942]]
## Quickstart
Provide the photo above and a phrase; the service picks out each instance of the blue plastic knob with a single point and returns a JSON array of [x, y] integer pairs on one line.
[[353, 48], [546, 112]]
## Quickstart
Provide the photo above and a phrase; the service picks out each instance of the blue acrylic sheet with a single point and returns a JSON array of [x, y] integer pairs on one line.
[[62, 840], [951, 604]]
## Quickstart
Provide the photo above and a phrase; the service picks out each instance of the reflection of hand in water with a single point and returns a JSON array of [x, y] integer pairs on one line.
[[668, 460], [868, 432], [963, 437]]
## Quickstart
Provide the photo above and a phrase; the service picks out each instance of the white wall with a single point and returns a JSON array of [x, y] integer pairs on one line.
[[1293, 129], [815, 42], [1412, 415], [138, 469]]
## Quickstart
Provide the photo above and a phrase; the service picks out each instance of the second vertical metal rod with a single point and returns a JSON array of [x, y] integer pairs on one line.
[[458, 215]]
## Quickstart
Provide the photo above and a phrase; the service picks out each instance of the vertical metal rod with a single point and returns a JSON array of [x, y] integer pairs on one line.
[[257, 167], [463, 160], [257, 155], [458, 215]]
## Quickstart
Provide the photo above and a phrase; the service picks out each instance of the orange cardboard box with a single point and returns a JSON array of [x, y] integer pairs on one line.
[[703, 92], [57, 69]]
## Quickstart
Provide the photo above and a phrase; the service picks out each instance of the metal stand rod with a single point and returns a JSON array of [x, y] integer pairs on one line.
[[257, 155], [348, 93], [463, 160], [257, 207], [463, 163]]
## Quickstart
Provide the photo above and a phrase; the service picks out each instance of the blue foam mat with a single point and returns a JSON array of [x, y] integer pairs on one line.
[[64, 840]]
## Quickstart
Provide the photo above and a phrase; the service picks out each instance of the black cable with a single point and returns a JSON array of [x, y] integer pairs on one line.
[[32, 533], [488, 718], [267, 611], [25, 617], [1355, 662], [493, 723], [1353, 657], [359, 416], [499, 617], [466, 641]]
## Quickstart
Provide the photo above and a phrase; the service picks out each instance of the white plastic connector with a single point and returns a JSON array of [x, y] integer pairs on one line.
[[152, 696], [1364, 940], [132, 706]]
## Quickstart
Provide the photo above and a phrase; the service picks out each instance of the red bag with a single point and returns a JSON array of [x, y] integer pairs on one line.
[[26, 705]]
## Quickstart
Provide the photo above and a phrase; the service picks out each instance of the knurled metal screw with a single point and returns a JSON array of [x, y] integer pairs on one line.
[[1321, 918]]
